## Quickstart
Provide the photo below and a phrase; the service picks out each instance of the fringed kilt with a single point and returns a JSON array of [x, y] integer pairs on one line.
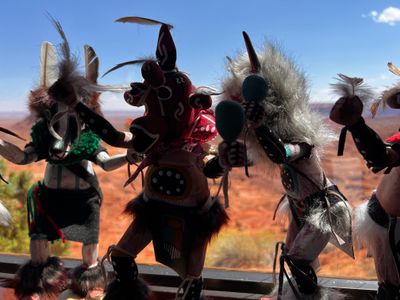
[[175, 229], [63, 214]]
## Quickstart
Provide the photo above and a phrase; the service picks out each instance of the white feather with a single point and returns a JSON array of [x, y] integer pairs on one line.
[[48, 64], [5, 217]]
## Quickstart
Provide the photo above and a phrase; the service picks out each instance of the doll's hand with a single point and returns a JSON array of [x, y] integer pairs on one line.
[[346, 111], [232, 155], [254, 112], [133, 157]]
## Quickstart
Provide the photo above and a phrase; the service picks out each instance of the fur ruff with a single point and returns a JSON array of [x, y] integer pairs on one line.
[[287, 110], [376, 239], [137, 290], [340, 214], [207, 224], [340, 226], [83, 280], [47, 279], [322, 293]]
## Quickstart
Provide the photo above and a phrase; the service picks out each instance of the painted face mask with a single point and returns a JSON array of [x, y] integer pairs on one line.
[[172, 104]]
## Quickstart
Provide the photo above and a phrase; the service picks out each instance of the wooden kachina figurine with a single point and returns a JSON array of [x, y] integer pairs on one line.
[[66, 203], [375, 220], [175, 210], [283, 131]]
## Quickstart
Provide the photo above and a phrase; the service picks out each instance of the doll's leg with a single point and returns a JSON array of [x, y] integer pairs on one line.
[[127, 285], [380, 233], [87, 279], [302, 253], [41, 275], [293, 230], [192, 283], [40, 251]]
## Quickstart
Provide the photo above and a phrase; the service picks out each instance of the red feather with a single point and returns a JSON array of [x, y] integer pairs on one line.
[[394, 138]]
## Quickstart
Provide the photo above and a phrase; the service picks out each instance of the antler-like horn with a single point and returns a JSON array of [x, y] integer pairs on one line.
[[255, 64], [166, 51]]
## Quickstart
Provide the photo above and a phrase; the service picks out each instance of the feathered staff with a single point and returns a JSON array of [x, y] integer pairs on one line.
[[353, 89]]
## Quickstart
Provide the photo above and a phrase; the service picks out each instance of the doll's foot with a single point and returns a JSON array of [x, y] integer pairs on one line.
[[86, 281], [388, 291], [126, 285], [34, 280], [191, 289]]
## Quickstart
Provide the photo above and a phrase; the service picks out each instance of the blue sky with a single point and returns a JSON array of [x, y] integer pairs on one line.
[[356, 37]]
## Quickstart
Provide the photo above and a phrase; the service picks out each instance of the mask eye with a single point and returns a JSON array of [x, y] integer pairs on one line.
[[137, 89], [164, 93]]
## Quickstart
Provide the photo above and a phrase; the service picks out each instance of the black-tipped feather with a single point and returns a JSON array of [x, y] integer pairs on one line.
[[393, 69], [132, 62], [65, 49], [143, 21], [91, 64]]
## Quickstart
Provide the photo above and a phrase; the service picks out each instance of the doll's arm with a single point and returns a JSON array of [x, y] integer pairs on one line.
[[104, 129], [370, 145], [17, 156], [272, 145], [229, 156], [297, 151], [278, 151], [347, 111], [110, 163]]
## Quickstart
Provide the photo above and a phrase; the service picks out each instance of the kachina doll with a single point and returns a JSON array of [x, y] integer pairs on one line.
[[66, 203], [375, 220], [283, 131], [175, 210]]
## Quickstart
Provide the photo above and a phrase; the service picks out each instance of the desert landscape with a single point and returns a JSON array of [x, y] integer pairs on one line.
[[248, 241]]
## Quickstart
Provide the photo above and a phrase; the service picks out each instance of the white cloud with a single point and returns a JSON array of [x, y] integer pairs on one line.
[[115, 102], [390, 15], [322, 95]]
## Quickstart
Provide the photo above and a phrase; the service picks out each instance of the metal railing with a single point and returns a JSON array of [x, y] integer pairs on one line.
[[218, 284]]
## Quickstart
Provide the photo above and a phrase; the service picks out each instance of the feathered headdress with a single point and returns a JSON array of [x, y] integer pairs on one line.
[[166, 51], [62, 66], [352, 86], [286, 103]]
